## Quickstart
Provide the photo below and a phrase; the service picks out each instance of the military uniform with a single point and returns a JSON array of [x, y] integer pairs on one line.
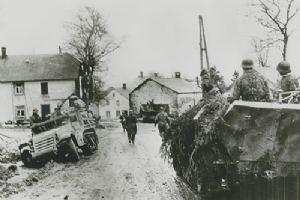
[[216, 80], [205, 82], [251, 86], [131, 127], [35, 118], [163, 121], [289, 83]]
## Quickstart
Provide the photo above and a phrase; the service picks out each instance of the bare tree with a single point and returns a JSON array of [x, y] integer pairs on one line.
[[89, 42], [276, 16], [261, 49]]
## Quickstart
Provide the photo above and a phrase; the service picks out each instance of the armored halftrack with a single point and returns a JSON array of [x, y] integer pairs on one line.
[[61, 137], [261, 141]]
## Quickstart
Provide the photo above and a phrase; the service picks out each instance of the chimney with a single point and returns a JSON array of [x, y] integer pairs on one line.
[[59, 50], [141, 74], [177, 75], [155, 74], [124, 86], [4, 53]]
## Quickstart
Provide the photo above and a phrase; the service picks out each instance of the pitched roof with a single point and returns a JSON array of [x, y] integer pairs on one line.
[[123, 92], [39, 67], [178, 85]]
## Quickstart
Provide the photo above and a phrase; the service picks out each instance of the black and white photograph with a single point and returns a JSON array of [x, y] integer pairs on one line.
[[149, 100]]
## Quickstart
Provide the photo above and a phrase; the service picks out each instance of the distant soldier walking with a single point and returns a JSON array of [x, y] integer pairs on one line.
[[162, 120], [123, 120], [288, 82], [251, 86], [131, 127]]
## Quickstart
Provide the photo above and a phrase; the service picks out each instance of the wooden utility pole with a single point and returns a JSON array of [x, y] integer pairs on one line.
[[203, 46]]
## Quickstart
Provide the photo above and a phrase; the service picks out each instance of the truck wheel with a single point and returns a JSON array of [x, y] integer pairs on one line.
[[91, 144], [72, 150], [26, 158]]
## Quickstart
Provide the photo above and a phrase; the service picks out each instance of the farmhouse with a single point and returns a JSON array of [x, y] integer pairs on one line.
[[116, 102], [176, 93], [35, 81]]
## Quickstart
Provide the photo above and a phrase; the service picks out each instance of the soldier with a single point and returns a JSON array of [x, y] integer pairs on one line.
[[123, 120], [216, 80], [162, 120], [131, 127], [205, 82], [288, 82], [251, 86], [35, 118]]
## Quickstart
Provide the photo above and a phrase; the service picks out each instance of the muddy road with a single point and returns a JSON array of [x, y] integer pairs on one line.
[[118, 170]]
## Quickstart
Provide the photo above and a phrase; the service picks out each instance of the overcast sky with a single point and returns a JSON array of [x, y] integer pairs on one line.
[[158, 35]]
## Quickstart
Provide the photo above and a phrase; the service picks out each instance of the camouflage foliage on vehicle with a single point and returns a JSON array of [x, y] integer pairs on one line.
[[193, 145]]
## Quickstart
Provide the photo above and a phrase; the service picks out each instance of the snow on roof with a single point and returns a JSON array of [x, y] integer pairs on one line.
[[123, 92], [178, 85], [39, 67]]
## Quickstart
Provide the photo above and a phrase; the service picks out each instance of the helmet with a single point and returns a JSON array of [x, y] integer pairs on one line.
[[203, 72], [247, 64], [213, 68], [283, 67]]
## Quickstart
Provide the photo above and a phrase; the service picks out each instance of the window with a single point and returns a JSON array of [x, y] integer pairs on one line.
[[19, 88], [118, 102], [107, 102], [20, 112], [114, 94], [44, 88], [107, 114], [118, 113]]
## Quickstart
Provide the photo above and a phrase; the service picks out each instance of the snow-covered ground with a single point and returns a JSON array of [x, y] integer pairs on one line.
[[118, 170], [11, 138]]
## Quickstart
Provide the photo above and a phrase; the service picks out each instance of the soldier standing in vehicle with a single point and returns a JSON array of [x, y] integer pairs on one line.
[[162, 120], [288, 82], [205, 82], [217, 80], [35, 118], [131, 127], [251, 86]]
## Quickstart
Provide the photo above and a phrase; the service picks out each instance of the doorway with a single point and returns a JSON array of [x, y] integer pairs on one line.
[[45, 110]]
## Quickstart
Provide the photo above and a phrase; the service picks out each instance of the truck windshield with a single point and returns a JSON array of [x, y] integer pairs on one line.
[[49, 124]]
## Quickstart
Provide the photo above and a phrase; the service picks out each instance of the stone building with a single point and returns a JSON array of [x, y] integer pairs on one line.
[[177, 93]]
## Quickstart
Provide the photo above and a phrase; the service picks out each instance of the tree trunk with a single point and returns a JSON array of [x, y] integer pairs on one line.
[[91, 88], [285, 43], [84, 84]]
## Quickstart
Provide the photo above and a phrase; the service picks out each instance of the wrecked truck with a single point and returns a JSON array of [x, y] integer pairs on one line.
[[60, 138]]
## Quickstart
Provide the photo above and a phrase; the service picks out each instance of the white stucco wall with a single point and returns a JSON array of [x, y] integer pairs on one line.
[[6, 107], [113, 97], [153, 91], [32, 98], [185, 101]]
